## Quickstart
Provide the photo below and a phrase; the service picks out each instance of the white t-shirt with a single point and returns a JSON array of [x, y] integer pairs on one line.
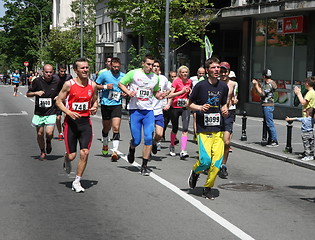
[[164, 86], [144, 84]]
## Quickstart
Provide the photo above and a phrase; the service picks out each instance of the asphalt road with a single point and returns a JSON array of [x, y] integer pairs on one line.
[[263, 198]]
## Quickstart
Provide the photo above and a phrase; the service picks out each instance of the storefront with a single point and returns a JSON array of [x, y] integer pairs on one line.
[[281, 38]]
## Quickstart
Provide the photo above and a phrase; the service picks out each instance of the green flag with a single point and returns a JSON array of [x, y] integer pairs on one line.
[[208, 48]]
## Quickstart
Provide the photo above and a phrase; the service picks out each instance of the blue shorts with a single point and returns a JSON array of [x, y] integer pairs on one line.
[[159, 120]]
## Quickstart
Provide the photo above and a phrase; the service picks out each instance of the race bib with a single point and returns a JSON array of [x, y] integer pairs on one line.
[[80, 106], [45, 102], [143, 93], [212, 119], [181, 102], [114, 95]]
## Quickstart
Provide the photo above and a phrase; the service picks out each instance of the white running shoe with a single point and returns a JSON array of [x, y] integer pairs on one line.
[[183, 154], [158, 146], [76, 186], [172, 151]]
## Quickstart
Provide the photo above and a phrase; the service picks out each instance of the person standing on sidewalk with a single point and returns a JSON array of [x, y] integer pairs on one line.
[[229, 121], [81, 95], [266, 92], [45, 89], [309, 99], [111, 105], [307, 133], [209, 100], [140, 85]]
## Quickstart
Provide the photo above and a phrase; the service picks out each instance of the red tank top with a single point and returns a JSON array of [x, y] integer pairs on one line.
[[79, 98]]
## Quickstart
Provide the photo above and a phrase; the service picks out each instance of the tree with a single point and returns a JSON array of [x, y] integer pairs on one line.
[[188, 19], [20, 39]]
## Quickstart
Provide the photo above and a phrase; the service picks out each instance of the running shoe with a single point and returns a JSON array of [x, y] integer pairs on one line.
[[42, 157], [172, 151], [76, 186], [48, 147], [158, 146], [144, 171], [183, 154], [206, 193], [114, 157], [131, 156], [154, 148], [67, 165], [105, 150], [273, 144], [230, 149], [223, 172], [60, 137], [192, 180]]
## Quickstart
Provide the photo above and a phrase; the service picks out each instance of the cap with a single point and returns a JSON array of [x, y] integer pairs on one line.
[[225, 65], [232, 74], [267, 72]]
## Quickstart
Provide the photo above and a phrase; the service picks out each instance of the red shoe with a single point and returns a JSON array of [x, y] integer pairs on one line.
[[230, 149], [60, 137]]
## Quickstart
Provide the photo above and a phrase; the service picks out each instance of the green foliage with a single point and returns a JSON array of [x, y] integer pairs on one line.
[[147, 18], [135, 57], [20, 39]]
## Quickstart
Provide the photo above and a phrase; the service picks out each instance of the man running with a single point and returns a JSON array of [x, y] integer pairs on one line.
[[107, 66], [45, 89], [81, 95], [159, 106], [209, 100], [142, 83], [111, 105], [62, 77], [229, 121], [16, 82]]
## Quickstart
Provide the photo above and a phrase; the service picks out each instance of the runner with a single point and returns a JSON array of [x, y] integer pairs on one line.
[[81, 95], [62, 77], [45, 89], [166, 113], [229, 121], [16, 82], [107, 65], [142, 83], [159, 106], [181, 88], [209, 100], [111, 105]]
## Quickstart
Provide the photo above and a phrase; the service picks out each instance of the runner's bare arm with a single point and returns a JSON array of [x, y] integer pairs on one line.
[[94, 102]]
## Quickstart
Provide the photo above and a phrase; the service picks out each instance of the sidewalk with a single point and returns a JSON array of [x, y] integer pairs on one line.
[[254, 135]]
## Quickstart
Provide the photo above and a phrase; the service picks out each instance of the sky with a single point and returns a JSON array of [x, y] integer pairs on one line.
[[2, 11]]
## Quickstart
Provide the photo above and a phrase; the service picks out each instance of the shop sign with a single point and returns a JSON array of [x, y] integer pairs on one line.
[[290, 24]]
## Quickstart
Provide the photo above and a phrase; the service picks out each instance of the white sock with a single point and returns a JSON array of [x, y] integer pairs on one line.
[[115, 145], [77, 179]]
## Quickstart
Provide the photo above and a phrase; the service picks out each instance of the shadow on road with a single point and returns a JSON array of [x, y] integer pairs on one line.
[[86, 184]]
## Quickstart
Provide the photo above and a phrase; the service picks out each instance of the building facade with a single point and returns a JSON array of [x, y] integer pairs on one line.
[[278, 35]]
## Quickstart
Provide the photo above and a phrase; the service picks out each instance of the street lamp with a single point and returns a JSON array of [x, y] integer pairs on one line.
[[81, 25], [41, 29], [167, 38]]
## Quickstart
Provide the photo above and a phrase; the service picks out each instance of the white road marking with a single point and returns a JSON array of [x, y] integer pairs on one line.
[[14, 114], [211, 214]]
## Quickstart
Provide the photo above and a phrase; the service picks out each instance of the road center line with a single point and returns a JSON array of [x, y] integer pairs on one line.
[[196, 203]]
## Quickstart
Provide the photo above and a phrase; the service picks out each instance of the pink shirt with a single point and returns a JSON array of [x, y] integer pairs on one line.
[[180, 100]]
